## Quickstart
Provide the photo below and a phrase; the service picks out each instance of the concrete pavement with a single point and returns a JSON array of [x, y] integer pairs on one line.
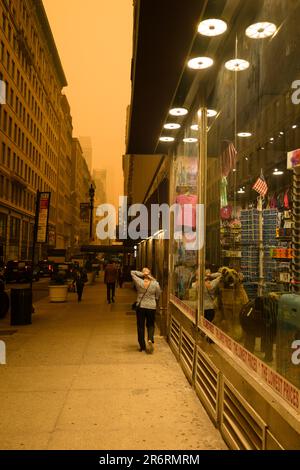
[[75, 379]]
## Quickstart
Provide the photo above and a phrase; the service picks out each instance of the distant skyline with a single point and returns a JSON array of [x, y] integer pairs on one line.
[[94, 41]]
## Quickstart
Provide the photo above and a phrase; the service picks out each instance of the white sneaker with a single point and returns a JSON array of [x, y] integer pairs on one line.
[[150, 347]]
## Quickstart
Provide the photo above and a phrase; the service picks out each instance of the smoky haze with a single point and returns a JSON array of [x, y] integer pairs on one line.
[[94, 41]]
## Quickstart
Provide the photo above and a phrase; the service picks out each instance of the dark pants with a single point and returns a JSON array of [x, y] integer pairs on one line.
[[110, 287], [209, 314], [79, 288], [142, 315]]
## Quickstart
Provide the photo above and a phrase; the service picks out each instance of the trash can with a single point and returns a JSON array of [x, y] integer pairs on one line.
[[20, 306]]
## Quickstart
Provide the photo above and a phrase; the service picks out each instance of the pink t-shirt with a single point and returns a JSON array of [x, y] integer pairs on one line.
[[188, 203]]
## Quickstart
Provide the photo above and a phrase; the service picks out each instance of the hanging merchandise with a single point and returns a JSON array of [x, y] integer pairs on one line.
[[223, 192], [228, 158], [226, 213]]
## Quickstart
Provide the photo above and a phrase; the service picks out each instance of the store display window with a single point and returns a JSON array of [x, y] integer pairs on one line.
[[184, 254], [252, 278]]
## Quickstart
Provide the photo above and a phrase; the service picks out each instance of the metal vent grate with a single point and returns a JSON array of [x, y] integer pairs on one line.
[[240, 424], [187, 352], [175, 336], [207, 384]]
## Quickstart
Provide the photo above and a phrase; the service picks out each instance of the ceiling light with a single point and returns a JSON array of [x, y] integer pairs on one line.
[[246, 158], [295, 126], [277, 172], [166, 139], [195, 127], [178, 112], [200, 63], [234, 170], [210, 113], [237, 65], [212, 27], [281, 133], [244, 134], [261, 30], [272, 139], [190, 140], [241, 191], [172, 125]]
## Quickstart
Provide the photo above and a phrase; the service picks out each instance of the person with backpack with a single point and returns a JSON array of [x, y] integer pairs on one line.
[[80, 280]]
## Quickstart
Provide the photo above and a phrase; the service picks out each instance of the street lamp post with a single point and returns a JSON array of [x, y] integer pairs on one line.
[[92, 195]]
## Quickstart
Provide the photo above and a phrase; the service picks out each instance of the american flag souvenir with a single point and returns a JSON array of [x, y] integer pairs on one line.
[[261, 186]]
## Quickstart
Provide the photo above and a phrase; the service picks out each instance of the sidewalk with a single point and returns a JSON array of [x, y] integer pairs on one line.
[[75, 379]]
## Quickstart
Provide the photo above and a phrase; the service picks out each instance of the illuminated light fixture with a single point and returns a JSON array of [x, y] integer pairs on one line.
[[195, 127], [212, 27], [234, 170], [246, 158], [210, 113], [272, 139], [244, 134], [237, 65], [295, 126], [281, 133], [277, 172], [166, 139], [200, 63], [190, 140], [178, 112], [172, 125], [261, 30], [241, 191]]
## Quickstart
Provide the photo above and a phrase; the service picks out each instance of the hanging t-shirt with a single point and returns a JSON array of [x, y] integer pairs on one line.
[[187, 216]]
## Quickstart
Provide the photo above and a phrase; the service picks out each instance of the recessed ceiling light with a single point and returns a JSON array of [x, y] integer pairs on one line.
[[241, 191], [234, 170], [277, 172], [246, 158], [212, 27], [261, 30], [237, 65], [190, 140], [195, 127], [172, 125], [281, 133], [272, 139], [178, 112], [295, 126], [200, 63], [210, 113], [244, 134], [166, 139]]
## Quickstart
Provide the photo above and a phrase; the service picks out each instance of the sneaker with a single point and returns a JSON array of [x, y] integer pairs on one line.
[[150, 347]]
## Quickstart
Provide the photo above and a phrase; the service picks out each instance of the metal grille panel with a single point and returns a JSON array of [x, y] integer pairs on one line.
[[175, 336], [207, 384], [187, 352], [240, 424]]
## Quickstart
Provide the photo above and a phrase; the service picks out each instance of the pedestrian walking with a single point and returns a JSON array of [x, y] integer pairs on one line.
[[110, 279], [80, 280], [148, 293]]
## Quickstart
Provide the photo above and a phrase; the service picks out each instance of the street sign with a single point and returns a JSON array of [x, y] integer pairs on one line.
[[85, 212], [43, 216]]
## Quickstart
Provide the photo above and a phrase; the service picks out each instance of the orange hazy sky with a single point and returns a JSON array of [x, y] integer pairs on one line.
[[94, 41]]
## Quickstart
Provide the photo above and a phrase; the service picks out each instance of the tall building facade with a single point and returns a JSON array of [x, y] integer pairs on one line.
[[35, 132], [87, 149], [80, 185]]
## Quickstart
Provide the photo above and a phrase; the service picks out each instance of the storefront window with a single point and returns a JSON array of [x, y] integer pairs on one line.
[[251, 288], [185, 197]]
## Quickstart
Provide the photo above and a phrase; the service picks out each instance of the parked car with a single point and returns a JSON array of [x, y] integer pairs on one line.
[[66, 270], [46, 268], [21, 271]]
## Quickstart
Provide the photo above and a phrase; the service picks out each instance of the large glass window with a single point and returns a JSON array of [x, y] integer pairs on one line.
[[185, 196], [251, 286]]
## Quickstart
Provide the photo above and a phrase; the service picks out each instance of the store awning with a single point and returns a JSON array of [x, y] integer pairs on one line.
[[164, 33]]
